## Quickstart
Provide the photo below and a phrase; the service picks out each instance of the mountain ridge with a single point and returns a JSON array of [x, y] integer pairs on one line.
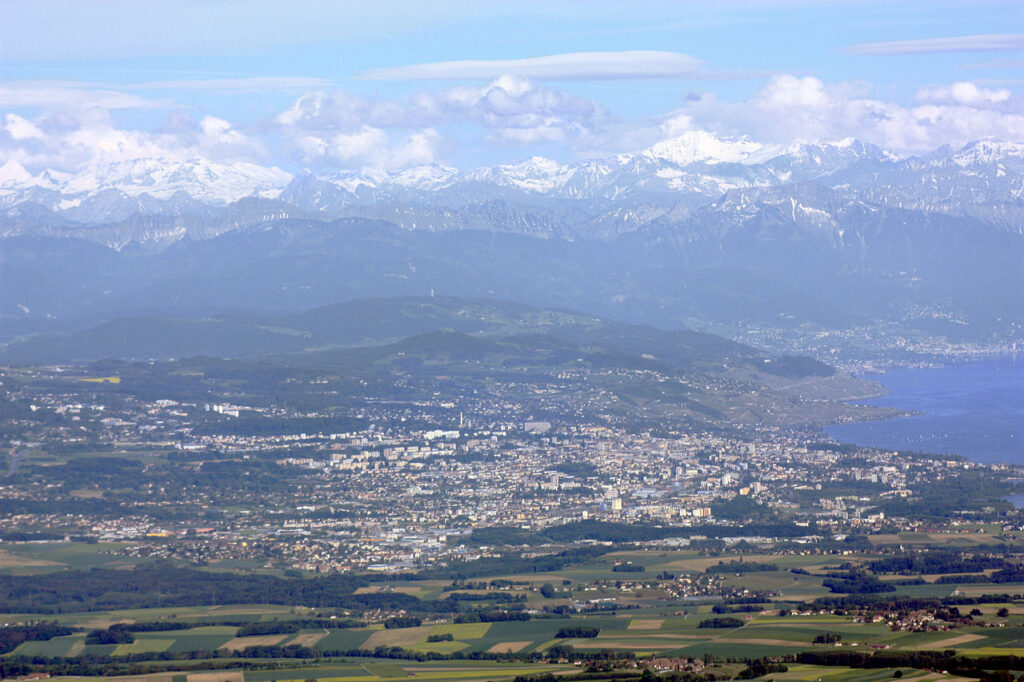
[[588, 199]]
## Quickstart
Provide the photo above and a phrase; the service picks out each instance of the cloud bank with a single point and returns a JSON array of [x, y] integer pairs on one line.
[[75, 126], [791, 109]]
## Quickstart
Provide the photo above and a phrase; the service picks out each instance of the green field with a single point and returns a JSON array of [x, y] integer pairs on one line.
[[645, 622]]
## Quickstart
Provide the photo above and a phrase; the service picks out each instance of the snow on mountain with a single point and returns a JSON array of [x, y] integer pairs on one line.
[[608, 196], [424, 177], [201, 179], [698, 146], [13, 174], [535, 174], [987, 152]]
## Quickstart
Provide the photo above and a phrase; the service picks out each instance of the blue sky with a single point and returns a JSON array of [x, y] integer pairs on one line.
[[353, 85]]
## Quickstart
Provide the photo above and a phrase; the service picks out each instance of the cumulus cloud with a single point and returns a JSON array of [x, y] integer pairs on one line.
[[965, 93], [91, 139], [791, 108], [510, 109], [991, 42], [20, 128], [568, 66]]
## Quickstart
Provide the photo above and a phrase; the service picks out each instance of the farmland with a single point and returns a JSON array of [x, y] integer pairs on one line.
[[781, 611]]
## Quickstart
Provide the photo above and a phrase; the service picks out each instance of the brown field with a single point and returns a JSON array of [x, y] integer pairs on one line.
[[932, 577], [532, 577], [225, 676], [653, 624], [950, 643], [971, 538], [104, 622], [308, 638], [239, 643], [8, 560], [508, 647], [240, 609], [397, 637]]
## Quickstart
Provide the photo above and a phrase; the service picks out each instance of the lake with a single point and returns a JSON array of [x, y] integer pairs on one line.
[[974, 409]]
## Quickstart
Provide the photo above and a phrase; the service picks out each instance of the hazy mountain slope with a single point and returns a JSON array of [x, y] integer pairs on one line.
[[370, 322]]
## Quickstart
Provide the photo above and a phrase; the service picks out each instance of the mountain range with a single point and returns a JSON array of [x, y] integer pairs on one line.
[[589, 199], [725, 234]]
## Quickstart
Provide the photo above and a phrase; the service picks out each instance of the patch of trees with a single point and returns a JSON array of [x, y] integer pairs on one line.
[[577, 633], [163, 584], [902, 603], [1014, 574], [160, 626], [856, 582], [268, 628], [402, 622], [112, 635], [508, 563], [718, 623], [628, 567], [739, 508], [828, 638], [498, 597], [939, 499], [935, 562], [12, 636], [761, 668], [738, 608], [445, 637]]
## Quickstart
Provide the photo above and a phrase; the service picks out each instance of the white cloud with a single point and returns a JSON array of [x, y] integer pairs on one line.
[[569, 66], [90, 139], [963, 93], [991, 42], [20, 128], [510, 109], [790, 109]]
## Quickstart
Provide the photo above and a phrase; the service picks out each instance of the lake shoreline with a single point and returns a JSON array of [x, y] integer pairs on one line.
[[973, 410]]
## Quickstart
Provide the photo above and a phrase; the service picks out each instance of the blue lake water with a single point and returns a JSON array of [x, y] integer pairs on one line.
[[975, 410]]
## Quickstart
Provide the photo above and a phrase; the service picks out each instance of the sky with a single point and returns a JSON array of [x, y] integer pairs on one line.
[[382, 86]]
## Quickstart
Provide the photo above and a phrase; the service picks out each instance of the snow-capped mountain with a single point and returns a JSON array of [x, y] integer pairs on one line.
[[202, 180], [599, 198]]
